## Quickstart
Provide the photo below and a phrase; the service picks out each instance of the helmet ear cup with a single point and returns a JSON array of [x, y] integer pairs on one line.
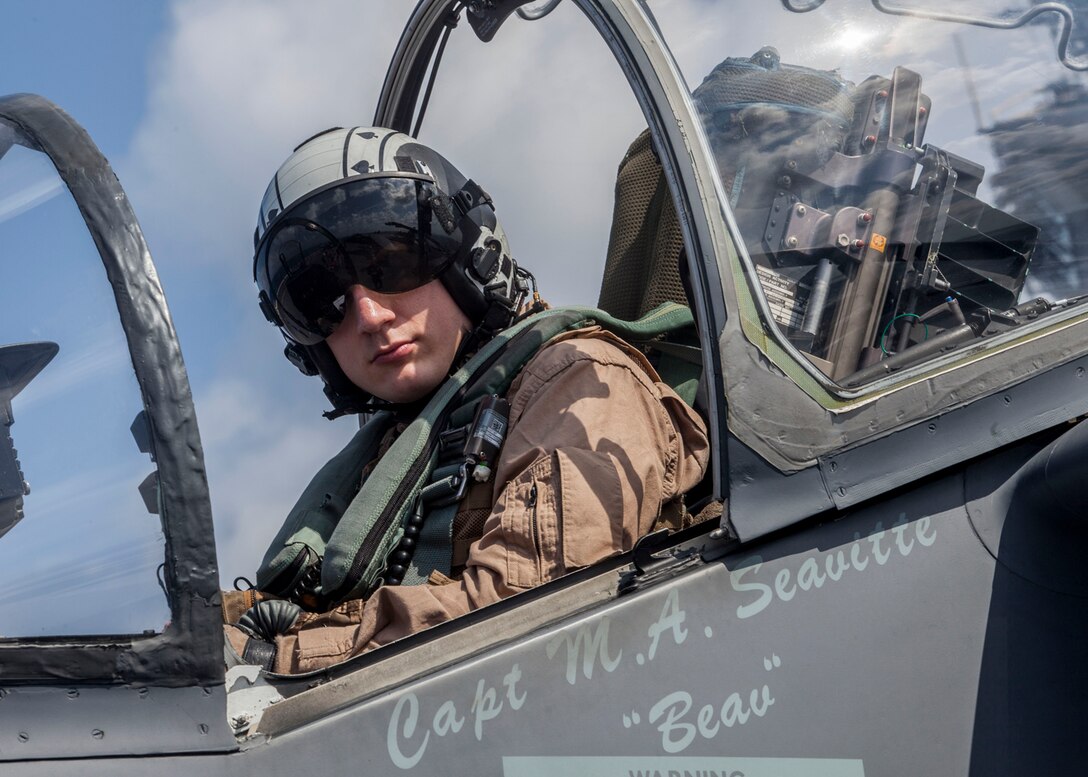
[[318, 359], [344, 395], [486, 260], [465, 291]]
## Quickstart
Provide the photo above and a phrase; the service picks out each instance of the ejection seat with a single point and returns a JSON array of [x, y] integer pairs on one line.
[[647, 266], [645, 245]]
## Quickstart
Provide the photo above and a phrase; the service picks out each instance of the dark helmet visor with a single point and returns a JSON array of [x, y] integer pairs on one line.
[[381, 233]]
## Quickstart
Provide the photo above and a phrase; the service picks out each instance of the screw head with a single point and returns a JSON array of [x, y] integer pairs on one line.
[[791, 241]]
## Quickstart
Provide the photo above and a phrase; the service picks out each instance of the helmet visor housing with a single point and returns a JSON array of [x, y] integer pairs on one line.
[[379, 232]]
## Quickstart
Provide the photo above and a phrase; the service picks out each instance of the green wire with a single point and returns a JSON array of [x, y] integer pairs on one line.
[[884, 334]]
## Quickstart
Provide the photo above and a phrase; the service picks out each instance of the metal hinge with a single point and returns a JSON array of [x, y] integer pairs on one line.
[[653, 563]]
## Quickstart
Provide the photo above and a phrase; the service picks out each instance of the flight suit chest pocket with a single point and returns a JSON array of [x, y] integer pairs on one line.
[[593, 506]]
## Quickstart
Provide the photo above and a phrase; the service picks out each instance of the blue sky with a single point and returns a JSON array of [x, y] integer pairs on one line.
[[92, 58]]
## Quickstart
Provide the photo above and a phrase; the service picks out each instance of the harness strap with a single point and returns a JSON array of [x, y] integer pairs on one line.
[[434, 543]]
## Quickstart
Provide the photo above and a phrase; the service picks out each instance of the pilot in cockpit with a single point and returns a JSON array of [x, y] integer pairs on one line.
[[505, 445]]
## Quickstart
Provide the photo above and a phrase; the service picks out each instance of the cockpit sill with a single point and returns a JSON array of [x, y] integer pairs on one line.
[[303, 698]]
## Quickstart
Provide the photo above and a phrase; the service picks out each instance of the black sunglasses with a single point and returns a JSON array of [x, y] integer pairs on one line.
[[380, 233]]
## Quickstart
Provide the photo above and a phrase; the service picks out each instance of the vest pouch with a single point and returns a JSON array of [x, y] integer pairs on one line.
[[374, 522], [296, 569], [292, 565]]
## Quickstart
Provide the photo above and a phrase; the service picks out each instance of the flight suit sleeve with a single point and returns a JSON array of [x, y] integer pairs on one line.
[[596, 446]]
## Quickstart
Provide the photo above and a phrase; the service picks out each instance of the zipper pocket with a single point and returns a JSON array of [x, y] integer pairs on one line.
[[533, 522]]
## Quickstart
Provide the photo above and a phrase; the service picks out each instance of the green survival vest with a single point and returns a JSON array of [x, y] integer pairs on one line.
[[337, 539]]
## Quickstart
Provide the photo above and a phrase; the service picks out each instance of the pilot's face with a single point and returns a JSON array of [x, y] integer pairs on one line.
[[398, 347]]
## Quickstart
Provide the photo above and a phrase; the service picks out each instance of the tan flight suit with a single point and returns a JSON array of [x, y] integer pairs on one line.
[[597, 445]]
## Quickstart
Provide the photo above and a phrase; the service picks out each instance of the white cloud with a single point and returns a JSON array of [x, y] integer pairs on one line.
[[235, 87]]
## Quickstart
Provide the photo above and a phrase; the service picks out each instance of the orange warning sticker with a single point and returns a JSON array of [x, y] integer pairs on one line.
[[878, 242]]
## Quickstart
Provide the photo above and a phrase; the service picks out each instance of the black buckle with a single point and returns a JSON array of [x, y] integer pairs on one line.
[[451, 443], [456, 485]]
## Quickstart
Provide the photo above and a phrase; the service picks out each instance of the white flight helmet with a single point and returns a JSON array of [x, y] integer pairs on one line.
[[375, 207]]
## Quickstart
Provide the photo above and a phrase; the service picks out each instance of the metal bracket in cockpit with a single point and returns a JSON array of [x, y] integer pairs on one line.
[[486, 16]]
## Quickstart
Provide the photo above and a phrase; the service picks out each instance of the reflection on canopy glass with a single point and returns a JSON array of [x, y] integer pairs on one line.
[[906, 181]]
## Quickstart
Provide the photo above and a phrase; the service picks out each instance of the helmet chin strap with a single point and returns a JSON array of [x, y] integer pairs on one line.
[[470, 343]]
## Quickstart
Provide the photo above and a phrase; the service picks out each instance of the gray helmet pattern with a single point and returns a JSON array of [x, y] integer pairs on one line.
[[483, 280]]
